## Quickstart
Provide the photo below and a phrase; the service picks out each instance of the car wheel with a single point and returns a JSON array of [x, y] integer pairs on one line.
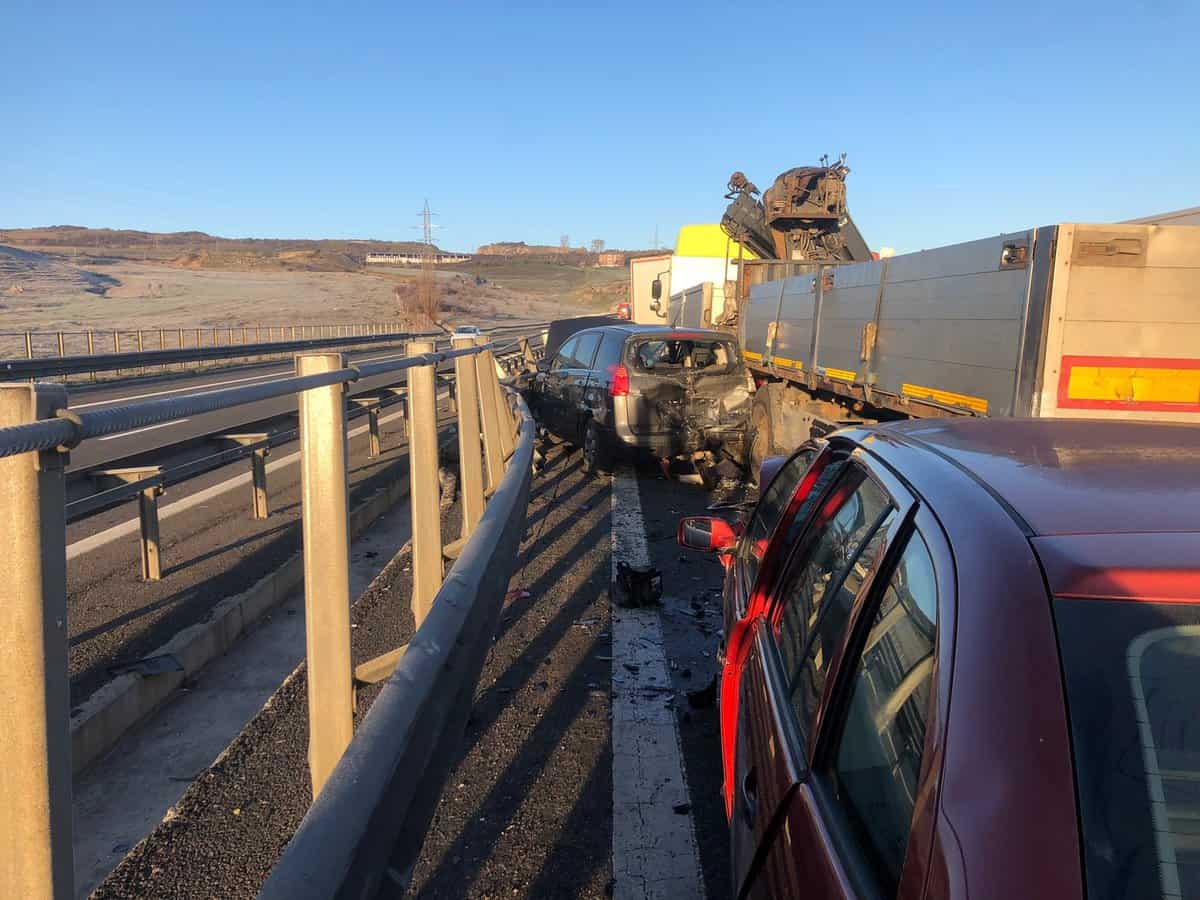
[[596, 454]]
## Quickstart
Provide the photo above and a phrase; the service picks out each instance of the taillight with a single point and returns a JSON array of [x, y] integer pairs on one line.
[[620, 381]]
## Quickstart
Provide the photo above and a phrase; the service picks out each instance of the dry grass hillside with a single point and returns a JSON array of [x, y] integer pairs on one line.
[[50, 291]]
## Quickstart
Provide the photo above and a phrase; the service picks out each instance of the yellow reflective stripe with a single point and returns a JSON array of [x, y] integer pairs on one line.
[[840, 374], [790, 363], [750, 354], [1134, 384], [949, 398]]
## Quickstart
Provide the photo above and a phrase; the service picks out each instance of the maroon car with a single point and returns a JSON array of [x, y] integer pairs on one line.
[[962, 658]]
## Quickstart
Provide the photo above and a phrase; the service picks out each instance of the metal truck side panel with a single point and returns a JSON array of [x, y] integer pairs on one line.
[[792, 346], [950, 321], [1123, 334], [847, 307], [1031, 362]]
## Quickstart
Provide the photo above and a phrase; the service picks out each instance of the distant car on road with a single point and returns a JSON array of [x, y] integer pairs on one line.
[[664, 391], [964, 656], [466, 330]]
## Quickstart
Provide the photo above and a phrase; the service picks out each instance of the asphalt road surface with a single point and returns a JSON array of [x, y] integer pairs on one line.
[[99, 451], [532, 808]]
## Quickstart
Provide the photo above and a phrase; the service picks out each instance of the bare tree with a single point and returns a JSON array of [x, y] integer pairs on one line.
[[597, 245]]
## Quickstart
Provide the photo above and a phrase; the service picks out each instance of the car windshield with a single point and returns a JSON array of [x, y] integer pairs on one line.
[[667, 355], [1132, 673]]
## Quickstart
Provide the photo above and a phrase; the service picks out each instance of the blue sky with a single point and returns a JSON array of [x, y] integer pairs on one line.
[[527, 121]]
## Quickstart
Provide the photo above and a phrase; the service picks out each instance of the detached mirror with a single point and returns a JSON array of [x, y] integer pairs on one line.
[[656, 289], [707, 533]]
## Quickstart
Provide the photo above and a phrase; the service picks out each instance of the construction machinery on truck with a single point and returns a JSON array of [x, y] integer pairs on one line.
[[1070, 320]]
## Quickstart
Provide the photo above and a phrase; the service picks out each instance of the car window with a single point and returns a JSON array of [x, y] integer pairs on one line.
[[877, 763], [564, 358], [709, 356], [585, 350], [1132, 673], [609, 356], [774, 504], [819, 587]]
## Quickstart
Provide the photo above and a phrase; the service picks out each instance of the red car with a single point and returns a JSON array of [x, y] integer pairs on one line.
[[962, 658]]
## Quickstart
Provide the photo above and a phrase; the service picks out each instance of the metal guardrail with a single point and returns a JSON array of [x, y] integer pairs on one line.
[[47, 367], [38, 429], [73, 343], [372, 817]]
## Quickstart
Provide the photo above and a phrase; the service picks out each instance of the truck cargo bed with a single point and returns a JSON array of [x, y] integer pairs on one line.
[[1066, 320]]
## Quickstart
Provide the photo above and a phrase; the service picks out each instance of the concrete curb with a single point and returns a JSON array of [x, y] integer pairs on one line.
[[102, 719]]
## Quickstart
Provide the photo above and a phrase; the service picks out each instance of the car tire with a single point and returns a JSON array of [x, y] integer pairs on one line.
[[597, 453]]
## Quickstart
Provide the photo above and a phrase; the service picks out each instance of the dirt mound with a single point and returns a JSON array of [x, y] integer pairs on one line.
[[25, 271]]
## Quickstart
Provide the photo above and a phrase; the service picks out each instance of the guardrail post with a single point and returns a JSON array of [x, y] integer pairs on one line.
[[491, 418], [148, 519], [504, 412], [258, 478], [35, 781], [28, 345], [423, 475], [326, 526], [91, 338], [470, 459], [62, 344]]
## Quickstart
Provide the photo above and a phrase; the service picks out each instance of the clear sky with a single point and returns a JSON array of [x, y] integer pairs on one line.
[[525, 122]]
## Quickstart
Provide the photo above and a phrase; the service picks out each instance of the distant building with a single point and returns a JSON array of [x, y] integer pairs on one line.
[[610, 260], [414, 259]]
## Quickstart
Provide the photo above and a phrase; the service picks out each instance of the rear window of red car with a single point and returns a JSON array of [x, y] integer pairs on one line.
[[1132, 673]]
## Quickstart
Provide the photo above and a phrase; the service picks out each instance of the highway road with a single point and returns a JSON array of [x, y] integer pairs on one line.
[[110, 448], [540, 802]]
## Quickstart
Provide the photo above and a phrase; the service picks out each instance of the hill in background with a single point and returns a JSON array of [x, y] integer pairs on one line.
[[197, 250]]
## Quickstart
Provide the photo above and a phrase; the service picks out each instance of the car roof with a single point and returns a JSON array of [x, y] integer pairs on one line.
[[634, 329], [1072, 476]]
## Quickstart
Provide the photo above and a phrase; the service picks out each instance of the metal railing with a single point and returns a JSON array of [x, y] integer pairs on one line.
[[299, 338], [37, 430]]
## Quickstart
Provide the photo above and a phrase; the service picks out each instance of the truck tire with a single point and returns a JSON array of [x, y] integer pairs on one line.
[[762, 439]]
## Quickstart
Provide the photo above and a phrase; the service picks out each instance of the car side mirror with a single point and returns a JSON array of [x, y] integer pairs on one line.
[[708, 533], [656, 289], [655, 305]]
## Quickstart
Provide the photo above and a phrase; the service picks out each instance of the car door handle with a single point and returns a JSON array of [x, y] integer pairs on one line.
[[750, 797]]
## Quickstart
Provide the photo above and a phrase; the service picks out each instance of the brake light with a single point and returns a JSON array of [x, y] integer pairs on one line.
[[620, 381]]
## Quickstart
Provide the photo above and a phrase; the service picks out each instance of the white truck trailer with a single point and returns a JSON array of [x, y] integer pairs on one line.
[[1070, 320]]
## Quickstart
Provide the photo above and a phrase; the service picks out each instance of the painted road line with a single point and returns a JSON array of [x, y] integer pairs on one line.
[[123, 434], [273, 376], [654, 847], [132, 526]]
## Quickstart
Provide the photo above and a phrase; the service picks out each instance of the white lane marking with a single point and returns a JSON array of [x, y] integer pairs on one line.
[[654, 848], [269, 376], [132, 526], [113, 437]]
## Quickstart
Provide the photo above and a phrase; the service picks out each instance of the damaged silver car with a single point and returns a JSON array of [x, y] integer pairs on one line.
[[676, 394]]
